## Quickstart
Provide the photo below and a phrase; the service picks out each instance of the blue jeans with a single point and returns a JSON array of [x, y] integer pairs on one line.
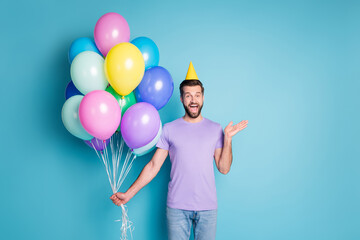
[[179, 224]]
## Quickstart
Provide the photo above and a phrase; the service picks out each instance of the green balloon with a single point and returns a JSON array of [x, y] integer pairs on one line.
[[125, 102]]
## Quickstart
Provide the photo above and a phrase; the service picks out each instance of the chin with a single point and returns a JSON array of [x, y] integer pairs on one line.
[[191, 114], [194, 116]]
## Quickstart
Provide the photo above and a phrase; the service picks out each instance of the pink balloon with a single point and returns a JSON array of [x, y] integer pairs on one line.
[[100, 114], [110, 30]]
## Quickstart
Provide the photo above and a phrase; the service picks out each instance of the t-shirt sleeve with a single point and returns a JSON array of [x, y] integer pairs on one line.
[[163, 142], [220, 141]]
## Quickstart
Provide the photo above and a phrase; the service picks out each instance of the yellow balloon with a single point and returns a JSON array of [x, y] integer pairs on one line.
[[124, 67]]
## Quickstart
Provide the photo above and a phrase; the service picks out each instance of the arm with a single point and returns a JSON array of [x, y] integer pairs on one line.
[[147, 174], [223, 156]]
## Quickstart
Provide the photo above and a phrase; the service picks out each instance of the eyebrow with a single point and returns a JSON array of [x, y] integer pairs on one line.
[[190, 92]]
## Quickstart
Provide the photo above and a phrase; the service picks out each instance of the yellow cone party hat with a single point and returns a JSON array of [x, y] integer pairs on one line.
[[191, 74]]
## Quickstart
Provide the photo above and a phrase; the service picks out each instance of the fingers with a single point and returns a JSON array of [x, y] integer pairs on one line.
[[119, 195], [230, 124], [238, 127], [243, 122], [114, 196], [116, 201], [118, 198], [241, 125]]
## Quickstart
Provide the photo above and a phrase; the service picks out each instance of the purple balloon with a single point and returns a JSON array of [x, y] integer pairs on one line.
[[140, 125], [97, 143], [156, 87]]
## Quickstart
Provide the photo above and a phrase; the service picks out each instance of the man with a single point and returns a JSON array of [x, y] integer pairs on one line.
[[193, 142]]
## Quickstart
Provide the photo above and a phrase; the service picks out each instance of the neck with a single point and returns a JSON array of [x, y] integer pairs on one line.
[[192, 120]]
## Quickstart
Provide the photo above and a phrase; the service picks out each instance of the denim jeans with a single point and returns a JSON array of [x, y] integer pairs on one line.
[[179, 224]]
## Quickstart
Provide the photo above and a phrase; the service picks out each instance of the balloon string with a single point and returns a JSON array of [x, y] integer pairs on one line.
[[126, 224], [113, 155], [94, 148], [118, 156], [123, 169], [123, 166], [101, 156], [126, 173], [108, 170], [121, 103], [121, 151], [115, 179]]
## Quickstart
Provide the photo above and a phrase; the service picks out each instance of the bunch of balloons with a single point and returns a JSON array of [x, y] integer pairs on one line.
[[116, 91], [116, 81]]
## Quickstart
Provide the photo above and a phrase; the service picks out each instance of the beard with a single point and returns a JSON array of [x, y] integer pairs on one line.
[[193, 114]]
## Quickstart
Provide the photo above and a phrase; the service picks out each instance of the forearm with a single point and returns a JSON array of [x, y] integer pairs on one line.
[[146, 175], [226, 156]]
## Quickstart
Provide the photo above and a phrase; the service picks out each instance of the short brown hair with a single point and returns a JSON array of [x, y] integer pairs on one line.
[[190, 83]]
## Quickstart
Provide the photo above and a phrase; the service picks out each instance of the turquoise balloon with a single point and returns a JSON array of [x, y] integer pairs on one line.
[[87, 72], [150, 146], [81, 45], [70, 118], [149, 50]]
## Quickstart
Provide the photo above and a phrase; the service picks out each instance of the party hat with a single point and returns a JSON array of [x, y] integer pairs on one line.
[[191, 74]]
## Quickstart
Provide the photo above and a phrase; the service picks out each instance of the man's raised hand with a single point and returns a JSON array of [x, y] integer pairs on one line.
[[230, 130]]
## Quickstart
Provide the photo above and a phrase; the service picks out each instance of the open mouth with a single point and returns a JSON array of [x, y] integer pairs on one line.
[[194, 108]]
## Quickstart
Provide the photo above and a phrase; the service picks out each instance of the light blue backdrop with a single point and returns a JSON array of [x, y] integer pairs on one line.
[[290, 67]]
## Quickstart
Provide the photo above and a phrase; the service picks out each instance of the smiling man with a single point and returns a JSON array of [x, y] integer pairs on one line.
[[192, 142]]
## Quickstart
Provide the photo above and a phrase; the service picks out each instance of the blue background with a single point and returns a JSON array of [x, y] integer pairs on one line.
[[290, 67]]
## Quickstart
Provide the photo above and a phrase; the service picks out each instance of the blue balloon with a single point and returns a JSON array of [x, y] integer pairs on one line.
[[81, 45], [71, 90], [149, 50], [155, 88]]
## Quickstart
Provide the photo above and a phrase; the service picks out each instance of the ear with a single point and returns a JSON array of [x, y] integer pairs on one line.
[[181, 99]]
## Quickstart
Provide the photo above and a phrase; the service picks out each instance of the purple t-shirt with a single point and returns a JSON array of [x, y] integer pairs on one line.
[[191, 148]]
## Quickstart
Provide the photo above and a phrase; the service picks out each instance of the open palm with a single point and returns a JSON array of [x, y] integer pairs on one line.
[[230, 130]]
